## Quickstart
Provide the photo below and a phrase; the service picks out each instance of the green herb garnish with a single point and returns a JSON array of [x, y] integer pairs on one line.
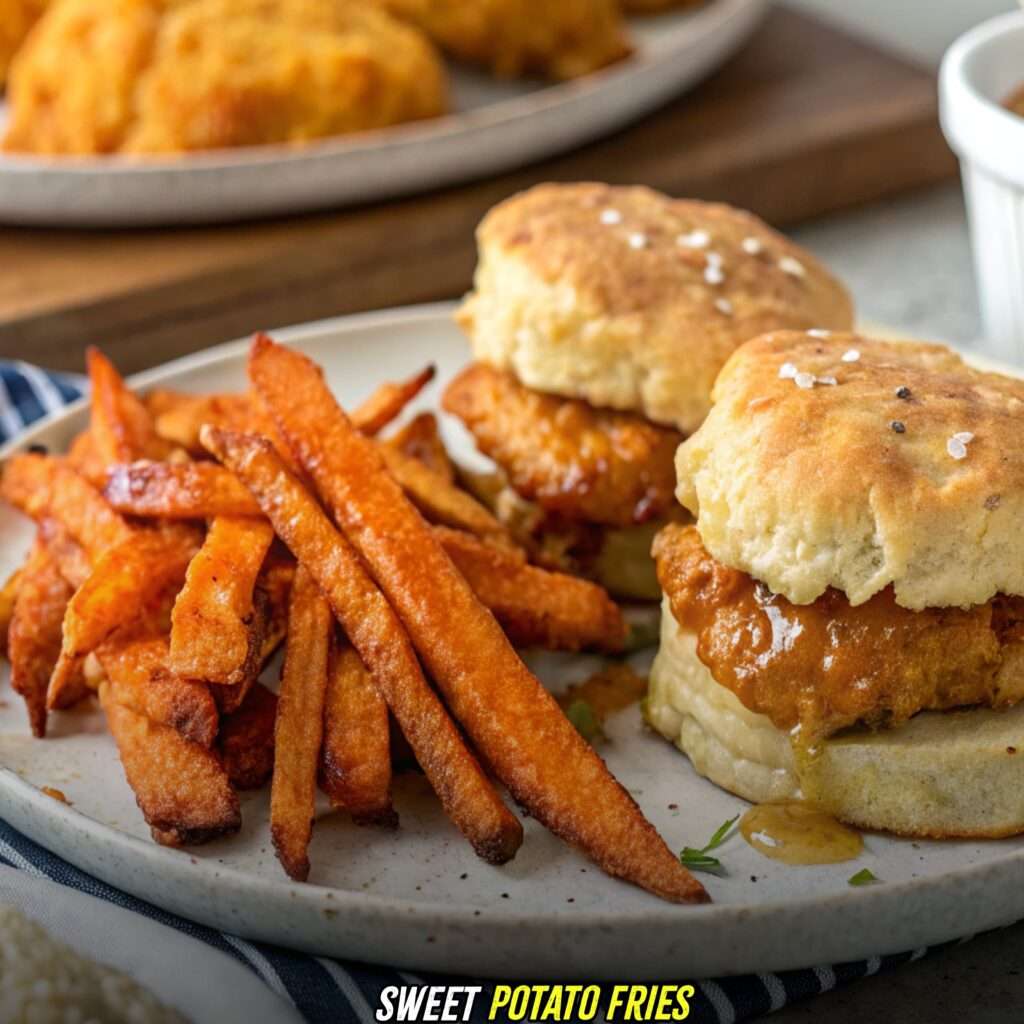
[[863, 877], [585, 720], [699, 860]]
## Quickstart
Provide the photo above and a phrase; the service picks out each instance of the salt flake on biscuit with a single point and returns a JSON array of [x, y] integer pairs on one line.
[[694, 240]]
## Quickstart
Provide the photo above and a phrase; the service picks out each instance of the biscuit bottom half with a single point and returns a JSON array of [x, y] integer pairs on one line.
[[942, 775]]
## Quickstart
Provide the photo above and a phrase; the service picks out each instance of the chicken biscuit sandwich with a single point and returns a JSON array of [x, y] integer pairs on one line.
[[845, 621], [600, 318]]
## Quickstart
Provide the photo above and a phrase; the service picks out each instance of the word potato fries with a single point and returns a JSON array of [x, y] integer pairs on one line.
[[531, 745]]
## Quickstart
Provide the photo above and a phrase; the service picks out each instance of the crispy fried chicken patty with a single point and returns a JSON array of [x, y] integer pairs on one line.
[[577, 462], [828, 665]]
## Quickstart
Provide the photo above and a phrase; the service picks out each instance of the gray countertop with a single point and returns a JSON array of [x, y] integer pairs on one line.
[[908, 264]]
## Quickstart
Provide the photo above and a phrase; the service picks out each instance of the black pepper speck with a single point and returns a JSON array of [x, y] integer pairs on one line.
[[898, 426], [903, 392]]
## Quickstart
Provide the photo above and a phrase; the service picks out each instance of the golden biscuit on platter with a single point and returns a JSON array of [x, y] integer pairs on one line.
[[915, 458], [251, 72], [633, 301], [16, 20], [71, 87], [559, 40], [163, 76]]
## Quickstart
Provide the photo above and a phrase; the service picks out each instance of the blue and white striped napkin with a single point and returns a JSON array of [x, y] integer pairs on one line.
[[329, 991]]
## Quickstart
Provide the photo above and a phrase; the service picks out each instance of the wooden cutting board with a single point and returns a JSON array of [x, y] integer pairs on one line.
[[805, 121]]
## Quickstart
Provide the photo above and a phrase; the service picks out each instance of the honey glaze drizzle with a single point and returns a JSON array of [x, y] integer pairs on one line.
[[798, 833]]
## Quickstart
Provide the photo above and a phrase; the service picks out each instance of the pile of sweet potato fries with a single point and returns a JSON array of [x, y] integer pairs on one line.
[[182, 539]]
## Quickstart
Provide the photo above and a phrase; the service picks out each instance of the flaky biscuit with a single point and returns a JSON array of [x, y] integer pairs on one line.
[[563, 39], [842, 462], [634, 301]]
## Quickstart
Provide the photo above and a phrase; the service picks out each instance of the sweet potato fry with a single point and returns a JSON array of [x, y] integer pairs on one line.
[[69, 555], [160, 400], [177, 490], [180, 787], [355, 765], [247, 739], [387, 402], [41, 486], [465, 792], [179, 417], [8, 595], [440, 501], [298, 733], [139, 679], [120, 426], [85, 459], [420, 439], [124, 581], [212, 626], [276, 583], [536, 608], [531, 745], [36, 632], [229, 697]]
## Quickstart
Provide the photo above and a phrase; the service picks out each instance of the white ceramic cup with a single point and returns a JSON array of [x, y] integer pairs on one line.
[[979, 72]]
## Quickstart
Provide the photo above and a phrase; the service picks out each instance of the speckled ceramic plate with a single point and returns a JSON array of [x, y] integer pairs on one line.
[[497, 126], [418, 897]]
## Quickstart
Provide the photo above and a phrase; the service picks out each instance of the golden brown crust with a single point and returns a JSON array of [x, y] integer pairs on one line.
[[34, 636], [853, 486], [138, 678], [247, 739], [164, 76], [575, 461], [517, 37], [16, 20], [827, 666], [634, 301], [181, 788]]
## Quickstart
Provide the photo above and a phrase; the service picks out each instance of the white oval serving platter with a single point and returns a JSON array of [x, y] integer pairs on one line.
[[497, 126], [418, 898]]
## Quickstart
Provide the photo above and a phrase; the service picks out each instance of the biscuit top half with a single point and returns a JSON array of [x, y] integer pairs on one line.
[[634, 301], [838, 461]]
